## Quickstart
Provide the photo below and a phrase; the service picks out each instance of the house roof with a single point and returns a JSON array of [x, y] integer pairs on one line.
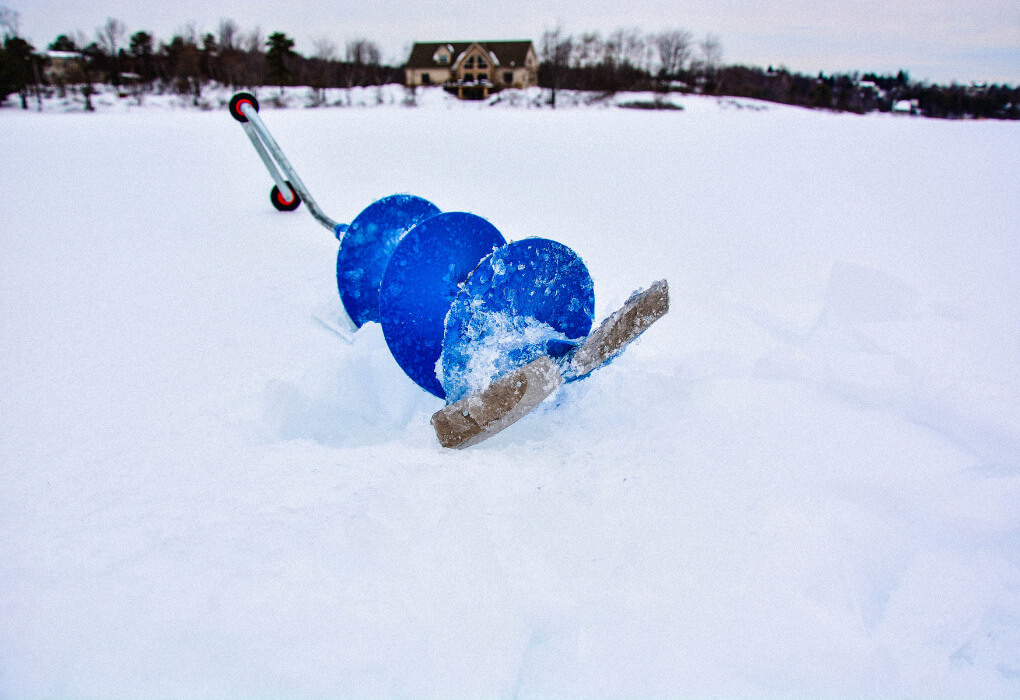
[[506, 53]]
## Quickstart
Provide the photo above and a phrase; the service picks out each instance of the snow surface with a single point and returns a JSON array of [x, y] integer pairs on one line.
[[802, 482]]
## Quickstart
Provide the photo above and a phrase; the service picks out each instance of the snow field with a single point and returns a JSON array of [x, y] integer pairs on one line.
[[803, 481]]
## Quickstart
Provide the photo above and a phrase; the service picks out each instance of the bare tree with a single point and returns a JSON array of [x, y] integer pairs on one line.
[[254, 60], [363, 56], [190, 33], [253, 40], [229, 35], [555, 51], [674, 50], [81, 40], [711, 53], [324, 49], [231, 57], [613, 51], [589, 50], [363, 52], [634, 48], [324, 67], [110, 34], [10, 22]]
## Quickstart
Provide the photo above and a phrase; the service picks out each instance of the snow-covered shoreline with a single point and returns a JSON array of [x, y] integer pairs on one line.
[[108, 99]]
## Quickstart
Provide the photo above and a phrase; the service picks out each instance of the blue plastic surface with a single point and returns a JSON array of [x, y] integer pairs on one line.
[[366, 247], [527, 299], [420, 284]]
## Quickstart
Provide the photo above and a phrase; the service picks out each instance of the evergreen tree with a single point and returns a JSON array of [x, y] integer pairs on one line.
[[63, 43], [140, 49], [280, 50], [5, 87], [16, 68]]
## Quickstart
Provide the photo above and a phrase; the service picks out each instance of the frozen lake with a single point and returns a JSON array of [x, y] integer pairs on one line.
[[803, 481]]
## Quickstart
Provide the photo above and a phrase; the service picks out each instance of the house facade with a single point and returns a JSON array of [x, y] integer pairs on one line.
[[473, 70], [61, 65]]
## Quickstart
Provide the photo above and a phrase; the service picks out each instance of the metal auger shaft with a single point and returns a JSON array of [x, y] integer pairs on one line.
[[244, 108]]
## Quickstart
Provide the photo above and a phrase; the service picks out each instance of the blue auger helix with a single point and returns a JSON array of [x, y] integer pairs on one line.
[[459, 305]]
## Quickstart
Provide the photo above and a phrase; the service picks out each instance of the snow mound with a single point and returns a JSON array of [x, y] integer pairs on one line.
[[360, 397]]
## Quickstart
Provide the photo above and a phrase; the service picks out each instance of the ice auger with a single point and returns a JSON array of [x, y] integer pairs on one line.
[[492, 327]]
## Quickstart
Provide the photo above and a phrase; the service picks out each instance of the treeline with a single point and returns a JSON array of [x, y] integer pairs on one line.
[[627, 60], [189, 61], [630, 60], [871, 92], [624, 60]]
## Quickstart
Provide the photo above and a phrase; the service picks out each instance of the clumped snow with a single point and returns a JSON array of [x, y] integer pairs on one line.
[[495, 344], [804, 481]]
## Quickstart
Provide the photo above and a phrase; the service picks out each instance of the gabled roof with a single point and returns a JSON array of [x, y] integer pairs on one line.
[[505, 53]]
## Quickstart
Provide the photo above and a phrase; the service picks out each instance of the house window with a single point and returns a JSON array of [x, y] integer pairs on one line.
[[482, 63], [469, 77], [426, 78], [508, 77], [443, 59], [470, 62]]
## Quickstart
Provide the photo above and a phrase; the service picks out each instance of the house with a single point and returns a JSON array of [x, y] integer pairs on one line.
[[906, 107], [61, 65], [475, 69]]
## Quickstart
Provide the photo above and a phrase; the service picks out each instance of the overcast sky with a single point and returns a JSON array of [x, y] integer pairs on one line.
[[938, 40]]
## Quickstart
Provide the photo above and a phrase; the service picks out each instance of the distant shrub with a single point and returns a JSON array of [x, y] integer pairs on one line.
[[651, 104]]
